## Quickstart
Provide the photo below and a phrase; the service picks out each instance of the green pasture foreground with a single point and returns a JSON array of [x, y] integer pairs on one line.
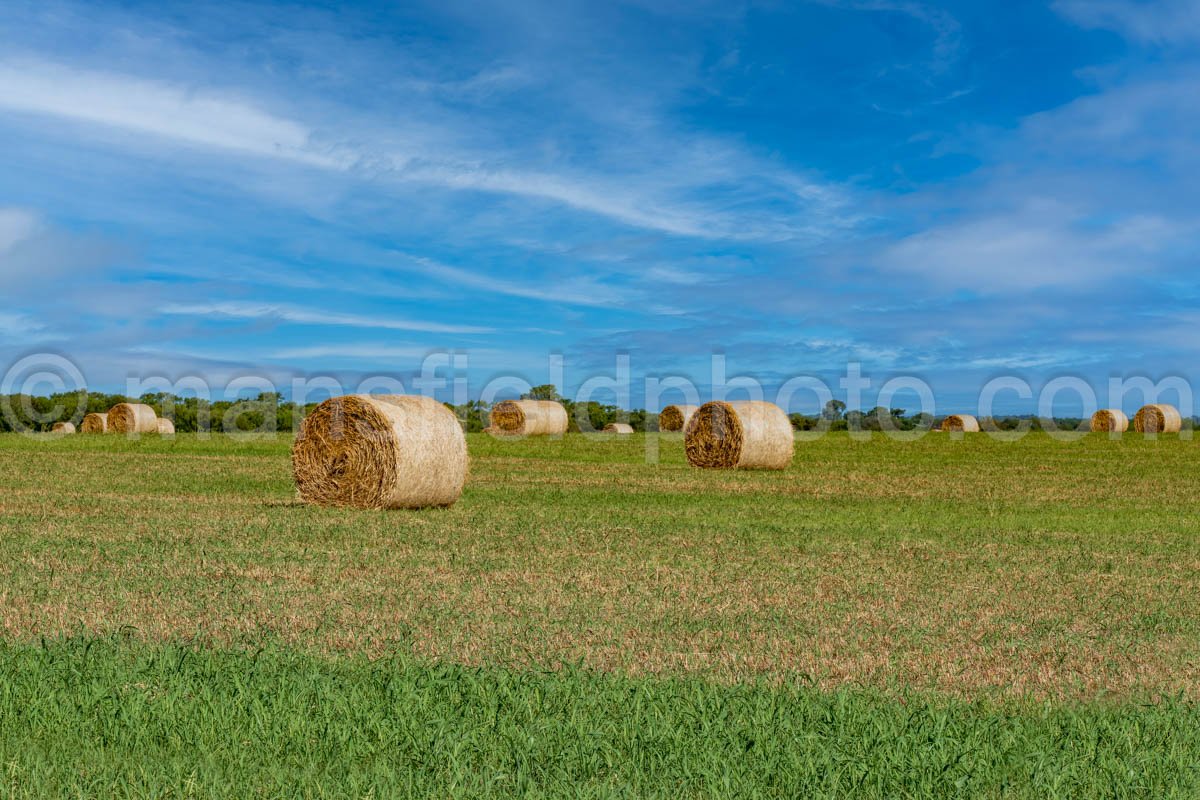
[[934, 617], [105, 717]]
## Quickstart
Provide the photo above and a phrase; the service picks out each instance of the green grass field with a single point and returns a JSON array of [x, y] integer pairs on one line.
[[939, 617]]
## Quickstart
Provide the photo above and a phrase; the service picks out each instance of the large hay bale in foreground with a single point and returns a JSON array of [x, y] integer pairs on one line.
[[618, 427], [529, 418], [63, 427], [132, 418], [380, 451], [1110, 420], [960, 423], [1158, 418], [166, 427], [746, 435], [94, 423], [675, 417]]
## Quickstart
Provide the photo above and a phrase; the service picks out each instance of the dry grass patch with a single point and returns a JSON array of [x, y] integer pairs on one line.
[[940, 564]]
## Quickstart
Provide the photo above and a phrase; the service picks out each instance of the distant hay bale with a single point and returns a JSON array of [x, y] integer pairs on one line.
[[166, 427], [132, 418], [1110, 420], [1158, 418], [63, 427], [94, 423], [675, 417], [529, 418], [745, 435], [380, 451], [618, 427], [960, 423]]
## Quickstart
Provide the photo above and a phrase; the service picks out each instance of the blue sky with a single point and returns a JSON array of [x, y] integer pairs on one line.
[[950, 190]]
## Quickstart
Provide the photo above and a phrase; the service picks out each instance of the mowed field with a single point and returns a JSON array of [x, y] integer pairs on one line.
[[940, 616]]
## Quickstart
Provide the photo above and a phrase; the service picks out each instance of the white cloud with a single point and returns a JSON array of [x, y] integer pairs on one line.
[[159, 109], [19, 326], [359, 351], [657, 192], [659, 200], [1029, 360], [1152, 118], [1036, 247], [1157, 22], [666, 273], [35, 254], [16, 225], [306, 316], [555, 290], [610, 202]]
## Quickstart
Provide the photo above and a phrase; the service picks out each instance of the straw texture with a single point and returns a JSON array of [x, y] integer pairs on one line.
[[1110, 420], [744, 435], [166, 427], [94, 423], [618, 427], [380, 451], [675, 417], [528, 417], [63, 427], [960, 423], [132, 418], [1158, 418]]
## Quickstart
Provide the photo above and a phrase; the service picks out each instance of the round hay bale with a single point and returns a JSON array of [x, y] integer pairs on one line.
[[960, 423], [132, 418], [746, 435], [618, 427], [94, 423], [675, 417], [166, 427], [529, 417], [1110, 420], [1158, 418], [380, 451], [63, 427]]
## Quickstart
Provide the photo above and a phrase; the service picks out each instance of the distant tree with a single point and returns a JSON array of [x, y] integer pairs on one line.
[[473, 415], [803, 422], [592, 416], [287, 417], [547, 391], [834, 410], [921, 421]]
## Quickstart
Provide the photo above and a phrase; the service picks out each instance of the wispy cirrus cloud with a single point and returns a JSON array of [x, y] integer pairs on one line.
[[307, 316], [36, 255], [946, 29], [1159, 22], [16, 225], [1031, 248], [668, 198], [155, 108], [552, 289], [20, 328], [368, 352]]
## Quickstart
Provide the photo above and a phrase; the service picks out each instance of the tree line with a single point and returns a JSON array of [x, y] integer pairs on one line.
[[269, 412]]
